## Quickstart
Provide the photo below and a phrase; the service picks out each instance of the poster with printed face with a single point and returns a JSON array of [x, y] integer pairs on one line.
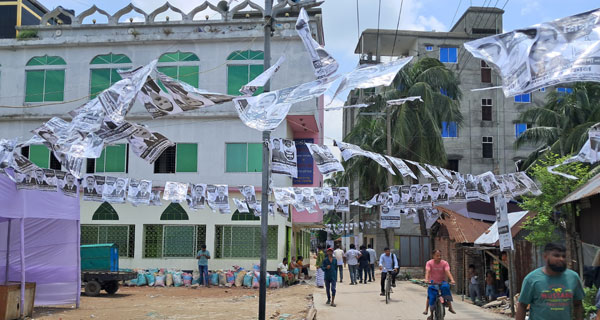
[[178, 97], [25, 180], [530, 184], [198, 196], [431, 216], [308, 200], [50, 178], [148, 145], [284, 210], [437, 173], [175, 191], [90, 192], [504, 187], [349, 150], [563, 50], [115, 190], [325, 199], [323, 63], [155, 199], [489, 184], [343, 203], [442, 194], [394, 197], [425, 194], [459, 192], [218, 197], [249, 194], [258, 209], [251, 87], [68, 184], [325, 160], [422, 170], [112, 131], [390, 217], [414, 196], [22, 164], [284, 157], [519, 187], [39, 179], [139, 191], [471, 185], [504, 233]]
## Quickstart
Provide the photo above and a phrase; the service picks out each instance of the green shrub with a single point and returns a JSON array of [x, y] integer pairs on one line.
[[27, 34], [589, 301]]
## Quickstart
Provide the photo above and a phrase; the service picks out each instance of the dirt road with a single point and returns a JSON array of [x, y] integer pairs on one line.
[[363, 301], [184, 303]]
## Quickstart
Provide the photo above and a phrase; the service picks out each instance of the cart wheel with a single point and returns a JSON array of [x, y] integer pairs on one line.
[[111, 287], [92, 288]]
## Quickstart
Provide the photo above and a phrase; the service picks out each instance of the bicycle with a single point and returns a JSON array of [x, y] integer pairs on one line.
[[388, 286], [439, 309]]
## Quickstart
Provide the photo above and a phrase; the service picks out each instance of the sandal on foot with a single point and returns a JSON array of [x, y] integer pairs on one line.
[[333, 304], [452, 310]]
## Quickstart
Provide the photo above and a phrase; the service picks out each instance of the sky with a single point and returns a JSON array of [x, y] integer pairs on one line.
[[342, 25]]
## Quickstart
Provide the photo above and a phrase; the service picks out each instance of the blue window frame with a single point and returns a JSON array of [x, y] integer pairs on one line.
[[543, 90], [564, 90], [448, 55], [428, 48], [520, 128], [449, 129], [444, 91], [523, 98]]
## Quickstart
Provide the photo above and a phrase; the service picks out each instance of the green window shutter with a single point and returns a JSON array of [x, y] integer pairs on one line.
[[255, 70], [99, 81], [272, 238], [34, 91], [187, 157], [236, 157], [169, 71], [114, 76], [89, 235], [39, 155], [54, 85], [115, 158], [189, 75], [179, 241], [153, 239], [254, 157], [100, 162], [237, 76]]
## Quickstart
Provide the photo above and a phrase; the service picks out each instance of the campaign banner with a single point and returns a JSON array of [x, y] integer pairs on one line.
[[305, 162], [323, 63], [139, 191], [389, 217], [324, 158], [283, 157], [114, 190], [504, 233]]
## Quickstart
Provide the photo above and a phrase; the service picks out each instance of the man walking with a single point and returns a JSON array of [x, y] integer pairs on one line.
[[552, 292], [352, 259], [328, 267], [372, 258], [203, 256], [363, 265], [389, 267], [339, 257]]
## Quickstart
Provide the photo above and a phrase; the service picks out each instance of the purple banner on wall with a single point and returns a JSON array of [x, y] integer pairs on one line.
[[305, 162]]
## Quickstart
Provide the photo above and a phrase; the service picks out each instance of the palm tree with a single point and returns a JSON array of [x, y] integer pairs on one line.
[[561, 125], [415, 126]]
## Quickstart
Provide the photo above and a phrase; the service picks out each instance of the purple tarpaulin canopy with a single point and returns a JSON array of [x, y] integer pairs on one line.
[[39, 242]]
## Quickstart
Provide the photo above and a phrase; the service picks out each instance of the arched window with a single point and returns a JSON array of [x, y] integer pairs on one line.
[[101, 78], [174, 212], [242, 67], [182, 66], [45, 79], [105, 212]]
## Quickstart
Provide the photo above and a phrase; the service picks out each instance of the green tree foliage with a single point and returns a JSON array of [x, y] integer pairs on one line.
[[561, 125], [415, 126], [554, 188], [589, 301]]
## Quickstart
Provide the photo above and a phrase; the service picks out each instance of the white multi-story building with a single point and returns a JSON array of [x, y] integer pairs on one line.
[[59, 66]]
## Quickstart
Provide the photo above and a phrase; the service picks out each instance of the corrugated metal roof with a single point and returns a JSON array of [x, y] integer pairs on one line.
[[515, 221], [588, 189], [460, 228]]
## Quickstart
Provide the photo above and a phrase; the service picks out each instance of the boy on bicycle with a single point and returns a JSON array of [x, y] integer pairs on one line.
[[388, 263], [438, 271]]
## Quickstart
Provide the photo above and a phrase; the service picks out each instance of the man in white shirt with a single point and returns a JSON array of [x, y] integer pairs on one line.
[[339, 256], [352, 259], [372, 259]]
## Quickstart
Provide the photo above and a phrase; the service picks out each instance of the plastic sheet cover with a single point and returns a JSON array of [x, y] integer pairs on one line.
[[139, 192], [284, 158], [324, 198], [170, 96], [249, 193], [267, 110], [323, 63], [325, 160], [241, 205], [397, 102], [369, 76], [64, 138], [349, 150], [358, 106], [563, 50], [284, 196], [341, 199], [262, 79], [175, 191], [93, 187], [66, 183]]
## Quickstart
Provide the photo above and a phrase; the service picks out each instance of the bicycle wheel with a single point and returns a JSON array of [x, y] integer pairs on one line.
[[439, 311], [388, 289]]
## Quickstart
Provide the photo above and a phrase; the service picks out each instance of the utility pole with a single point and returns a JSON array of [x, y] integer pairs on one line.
[[266, 137]]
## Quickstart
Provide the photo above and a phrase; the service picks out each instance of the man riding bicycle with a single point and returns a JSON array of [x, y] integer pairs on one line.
[[388, 264], [438, 271]]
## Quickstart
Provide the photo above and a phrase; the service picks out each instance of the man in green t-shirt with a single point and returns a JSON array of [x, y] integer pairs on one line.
[[553, 292], [203, 256]]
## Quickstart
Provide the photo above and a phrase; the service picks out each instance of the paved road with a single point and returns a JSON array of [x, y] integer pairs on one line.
[[363, 301]]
